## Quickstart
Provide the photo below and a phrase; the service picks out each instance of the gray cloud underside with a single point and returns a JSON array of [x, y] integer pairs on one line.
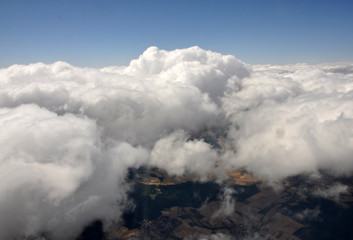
[[69, 134]]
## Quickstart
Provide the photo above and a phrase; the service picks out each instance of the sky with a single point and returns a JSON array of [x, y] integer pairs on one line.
[[113, 32]]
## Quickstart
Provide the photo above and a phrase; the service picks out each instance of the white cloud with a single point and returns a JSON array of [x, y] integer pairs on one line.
[[157, 94], [308, 214], [70, 133], [292, 119], [333, 192], [178, 155], [55, 174], [227, 203], [216, 236]]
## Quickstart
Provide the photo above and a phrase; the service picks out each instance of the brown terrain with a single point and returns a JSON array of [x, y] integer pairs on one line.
[[259, 212]]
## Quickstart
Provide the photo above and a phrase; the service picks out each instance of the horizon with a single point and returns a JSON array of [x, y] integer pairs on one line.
[[129, 61], [111, 33]]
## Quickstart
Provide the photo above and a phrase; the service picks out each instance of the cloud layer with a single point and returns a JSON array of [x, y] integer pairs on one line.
[[69, 134], [56, 174], [292, 119]]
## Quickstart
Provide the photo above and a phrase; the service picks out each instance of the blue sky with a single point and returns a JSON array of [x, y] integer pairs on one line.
[[112, 32]]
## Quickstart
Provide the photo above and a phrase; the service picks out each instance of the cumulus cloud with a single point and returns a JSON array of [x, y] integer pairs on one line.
[[293, 119], [156, 94], [69, 134], [55, 177], [180, 156]]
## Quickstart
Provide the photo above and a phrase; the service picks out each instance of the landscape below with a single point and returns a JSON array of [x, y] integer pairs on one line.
[[168, 207]]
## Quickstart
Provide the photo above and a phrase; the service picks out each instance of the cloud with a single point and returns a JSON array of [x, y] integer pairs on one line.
[[288, 120], [56, 175], [193, 157], [140, 100], [69, 134], [215, 236], [308, 214], [332, 192], [227, 203]]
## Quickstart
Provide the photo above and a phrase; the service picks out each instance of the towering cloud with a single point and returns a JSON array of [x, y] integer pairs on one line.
[[69, 134]]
